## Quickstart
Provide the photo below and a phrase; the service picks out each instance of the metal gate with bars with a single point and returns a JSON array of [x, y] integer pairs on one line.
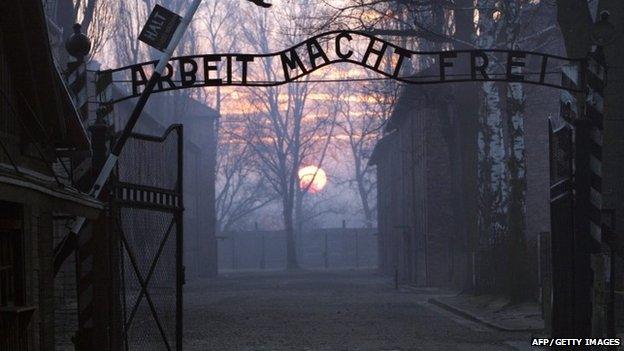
[[578, 289], [147, 198]]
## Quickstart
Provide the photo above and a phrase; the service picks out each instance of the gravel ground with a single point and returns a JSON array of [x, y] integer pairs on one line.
[[337, 311]]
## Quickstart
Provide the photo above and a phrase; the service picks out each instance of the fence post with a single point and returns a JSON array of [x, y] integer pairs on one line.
[[326, 253], [263, 257], [234, 265], [179, 218], [357, 250]]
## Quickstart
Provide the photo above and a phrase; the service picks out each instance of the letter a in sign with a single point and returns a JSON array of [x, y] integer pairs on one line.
[[159, 28]]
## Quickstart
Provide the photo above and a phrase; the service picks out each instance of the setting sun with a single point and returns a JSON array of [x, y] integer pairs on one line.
[[312, 177]]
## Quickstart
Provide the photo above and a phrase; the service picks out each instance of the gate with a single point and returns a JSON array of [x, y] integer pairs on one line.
[[147, 205]]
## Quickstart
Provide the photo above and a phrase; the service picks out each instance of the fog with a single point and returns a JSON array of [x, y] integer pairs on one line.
[[310, 175]]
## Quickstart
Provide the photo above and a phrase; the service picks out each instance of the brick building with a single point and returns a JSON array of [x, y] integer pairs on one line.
[[427, 180], [416, 218]]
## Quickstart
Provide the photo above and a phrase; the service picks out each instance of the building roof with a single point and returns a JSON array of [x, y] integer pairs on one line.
[[411, 98], [417, 96], [37, 78], [380, 149], [159, 113]]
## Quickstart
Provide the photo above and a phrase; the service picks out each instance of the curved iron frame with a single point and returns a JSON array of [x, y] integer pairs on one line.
[[468, 77]]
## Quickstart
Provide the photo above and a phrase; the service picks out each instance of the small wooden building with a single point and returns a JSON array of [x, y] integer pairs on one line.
[[41, 135]]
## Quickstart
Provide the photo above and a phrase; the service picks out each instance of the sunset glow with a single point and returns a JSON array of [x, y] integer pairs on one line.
[[312, 178]]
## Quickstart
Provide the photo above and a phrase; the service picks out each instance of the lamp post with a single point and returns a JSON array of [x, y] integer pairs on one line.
[[263, 257], [234, 258], [326, 253], [357, 250], [603, 31], [78, 44]]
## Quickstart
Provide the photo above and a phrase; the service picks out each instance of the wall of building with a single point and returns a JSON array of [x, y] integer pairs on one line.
[[422, 187], [386, 159], [414, 189]]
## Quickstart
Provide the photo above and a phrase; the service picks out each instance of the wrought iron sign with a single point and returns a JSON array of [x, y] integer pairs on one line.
[[359, 48]]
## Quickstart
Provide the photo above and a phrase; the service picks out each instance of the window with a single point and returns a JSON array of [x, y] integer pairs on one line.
[[9, 125], [10, 255], [9, 269], [14, 316]]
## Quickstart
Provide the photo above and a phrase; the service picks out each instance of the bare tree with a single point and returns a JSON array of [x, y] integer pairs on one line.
[[241, 189], [95, 17], [216, 31], [363, 110], [284, 132], [129, 22]]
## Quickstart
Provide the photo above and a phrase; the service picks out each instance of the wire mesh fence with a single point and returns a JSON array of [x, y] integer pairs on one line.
[[148, 209], [329, 248]]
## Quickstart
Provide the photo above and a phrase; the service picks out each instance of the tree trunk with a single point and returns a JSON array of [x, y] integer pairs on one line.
[[291, 249], [368, 213], [298, 218], [493, 187], [463, 153], [361, 186], [492, 190], [88, 15]]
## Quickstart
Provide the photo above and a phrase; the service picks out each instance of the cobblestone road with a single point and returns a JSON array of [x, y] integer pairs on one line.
[[326, 312]]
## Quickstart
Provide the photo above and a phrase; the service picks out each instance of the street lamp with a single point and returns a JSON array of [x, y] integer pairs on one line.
[[78, 45]]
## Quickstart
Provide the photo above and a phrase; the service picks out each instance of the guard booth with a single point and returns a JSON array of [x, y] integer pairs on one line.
[[41, 139]]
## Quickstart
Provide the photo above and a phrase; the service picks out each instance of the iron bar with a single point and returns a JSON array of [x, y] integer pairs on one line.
[[357, 251], [138, 109], [180, 270], [6, 152], [149, 273], [143, 284], [326, 253], [263, 257]]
